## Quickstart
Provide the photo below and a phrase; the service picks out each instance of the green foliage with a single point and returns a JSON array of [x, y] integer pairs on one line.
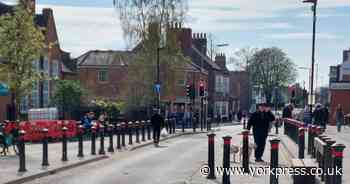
[[21, 45], [270, 68], [113, 109], [68, 96]]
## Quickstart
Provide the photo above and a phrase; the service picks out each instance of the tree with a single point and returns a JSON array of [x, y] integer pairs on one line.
[[270, 68], [68, 96], [112, 108], [21, 45], [146, 23]]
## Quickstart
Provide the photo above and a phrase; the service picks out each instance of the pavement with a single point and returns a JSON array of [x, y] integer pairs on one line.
[[177, 160], [9, 164]]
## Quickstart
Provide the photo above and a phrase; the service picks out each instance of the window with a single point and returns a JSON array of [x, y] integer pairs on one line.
[[46, 94], [226, 85], [218, 83], [24, 105], [221, 108], [103, 76], [182, 81], [55, 68], [46, 68], [35, 96]]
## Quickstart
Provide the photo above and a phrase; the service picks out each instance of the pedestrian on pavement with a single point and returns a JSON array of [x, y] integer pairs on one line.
[[157, 121], [318, 115], [307, 116], [325, 116], [339, 117], [260, 122], [288, 111], [239, 115]]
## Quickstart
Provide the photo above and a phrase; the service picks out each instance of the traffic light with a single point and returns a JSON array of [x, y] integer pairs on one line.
[[188, 90], [201, 88]]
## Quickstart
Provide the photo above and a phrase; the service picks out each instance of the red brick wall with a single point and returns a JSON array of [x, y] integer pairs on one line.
[[110, 89], [339, 97]]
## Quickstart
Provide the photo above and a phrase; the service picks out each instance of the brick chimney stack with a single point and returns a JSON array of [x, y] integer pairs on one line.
[[200, 42], [346, 55], [220, 59]]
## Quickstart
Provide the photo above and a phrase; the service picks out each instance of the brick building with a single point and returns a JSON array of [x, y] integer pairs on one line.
[[340, 85], [50, 61], [239, 90], [101, 73], [218, 90]]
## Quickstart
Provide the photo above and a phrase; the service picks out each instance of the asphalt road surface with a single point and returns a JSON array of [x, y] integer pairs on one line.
[[174, 162]]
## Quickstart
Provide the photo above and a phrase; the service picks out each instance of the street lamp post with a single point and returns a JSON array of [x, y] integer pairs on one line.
[[314, 9]]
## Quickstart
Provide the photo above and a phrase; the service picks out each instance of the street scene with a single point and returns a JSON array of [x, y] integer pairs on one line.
[[174, 91]]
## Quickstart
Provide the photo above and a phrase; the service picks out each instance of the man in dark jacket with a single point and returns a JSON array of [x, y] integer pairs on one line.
[[157, 121], [287, 111], [260, 121]]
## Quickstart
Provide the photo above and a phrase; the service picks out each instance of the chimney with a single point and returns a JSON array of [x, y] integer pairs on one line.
[[346, 55], [29, 5], [220, 59], [200, 42]]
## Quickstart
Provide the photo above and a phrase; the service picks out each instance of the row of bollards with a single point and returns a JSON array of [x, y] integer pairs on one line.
[[327, 153], [142, 130], [245, 159]]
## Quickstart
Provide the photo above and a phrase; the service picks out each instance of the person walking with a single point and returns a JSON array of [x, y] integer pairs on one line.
[[260, 122], [339, 117], [157, 121], [325, 116], [317, 115], [288, 111]]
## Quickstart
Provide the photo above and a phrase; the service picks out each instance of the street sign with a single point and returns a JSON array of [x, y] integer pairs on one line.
[[157, 88], [4, 89]]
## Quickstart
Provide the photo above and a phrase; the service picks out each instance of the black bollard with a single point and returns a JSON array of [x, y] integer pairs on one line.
[[123, 132], [22, 152], [183, 126], [211, 156], [277, 124], [328, 161], [148, 129], [110, 131], [102, 140], [244, 123], [130, 132], [245, 156], [274, 159], [337, 156], [301, 143], [45, 148], [143, 130], [226, 160], [64, 144], [93, 140], [309, 139], [314, 134], [118, 131], [80, 141], [137, 131], [194, 124]]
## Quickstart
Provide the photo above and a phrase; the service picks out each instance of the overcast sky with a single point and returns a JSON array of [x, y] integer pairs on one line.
[[86, 24]]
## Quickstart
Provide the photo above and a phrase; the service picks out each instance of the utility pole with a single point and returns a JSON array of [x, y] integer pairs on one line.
[[314, 9]]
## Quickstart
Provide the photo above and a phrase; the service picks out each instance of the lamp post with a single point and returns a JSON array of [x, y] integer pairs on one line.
[[314, 9]]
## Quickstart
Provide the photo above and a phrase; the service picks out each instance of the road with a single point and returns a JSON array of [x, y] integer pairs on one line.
[[175, 161]]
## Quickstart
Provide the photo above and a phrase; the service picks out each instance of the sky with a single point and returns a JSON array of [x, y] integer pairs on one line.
[[88, 25]]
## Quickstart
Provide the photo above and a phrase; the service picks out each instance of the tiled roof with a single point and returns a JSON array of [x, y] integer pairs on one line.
[[206, 58], [105, 58]]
